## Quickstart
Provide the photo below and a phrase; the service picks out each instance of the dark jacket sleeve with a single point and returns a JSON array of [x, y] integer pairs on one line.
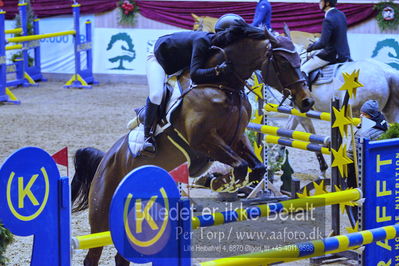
[[200, 55], [326, 33]]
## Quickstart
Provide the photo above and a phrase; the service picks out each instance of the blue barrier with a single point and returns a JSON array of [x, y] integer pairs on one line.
[[143, 229], [29, 72]]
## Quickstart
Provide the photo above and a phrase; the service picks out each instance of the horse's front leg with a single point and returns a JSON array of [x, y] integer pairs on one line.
[[216, 148], [308, 126], [244, 149]]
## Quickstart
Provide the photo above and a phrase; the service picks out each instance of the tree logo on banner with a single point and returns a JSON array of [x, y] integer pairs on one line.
[[122, 48], [387, 51]]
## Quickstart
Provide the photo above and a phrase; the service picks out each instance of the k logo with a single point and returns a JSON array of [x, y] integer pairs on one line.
[[387, 51], [122, 48]]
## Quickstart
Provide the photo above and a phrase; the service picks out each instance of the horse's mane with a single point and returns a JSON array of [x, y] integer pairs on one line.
[[237, 32]]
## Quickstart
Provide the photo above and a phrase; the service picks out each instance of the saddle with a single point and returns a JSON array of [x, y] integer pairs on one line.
[[171, 84], [324, 75], [170, 104]]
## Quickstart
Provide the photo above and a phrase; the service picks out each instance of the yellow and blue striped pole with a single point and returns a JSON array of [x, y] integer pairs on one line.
[[104, 238], [264, 210], [311, 249], [303, 145], [282, 132], [310, 114]]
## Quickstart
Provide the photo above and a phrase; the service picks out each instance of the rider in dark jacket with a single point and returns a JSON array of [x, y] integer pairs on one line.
[[333, 40], [191, 49], [175, 52]]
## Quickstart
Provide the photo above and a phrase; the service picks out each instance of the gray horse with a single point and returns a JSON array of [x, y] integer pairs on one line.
[[381, 83]]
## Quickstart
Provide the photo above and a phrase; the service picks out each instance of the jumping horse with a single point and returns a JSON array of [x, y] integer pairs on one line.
[[211, 119]]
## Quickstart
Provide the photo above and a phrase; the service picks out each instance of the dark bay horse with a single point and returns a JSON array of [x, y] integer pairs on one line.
[[212, 119]]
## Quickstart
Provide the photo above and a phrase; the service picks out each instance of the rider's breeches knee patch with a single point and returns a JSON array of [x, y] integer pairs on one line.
[[156, 80]]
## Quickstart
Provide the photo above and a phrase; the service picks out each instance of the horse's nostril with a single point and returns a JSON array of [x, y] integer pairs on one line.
[[307, 103]]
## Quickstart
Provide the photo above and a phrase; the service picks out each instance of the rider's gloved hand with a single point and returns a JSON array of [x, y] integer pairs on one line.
[[224, 68], [310, 48]]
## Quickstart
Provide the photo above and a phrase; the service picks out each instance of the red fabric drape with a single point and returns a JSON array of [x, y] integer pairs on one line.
[[299, 16], [47, 8]]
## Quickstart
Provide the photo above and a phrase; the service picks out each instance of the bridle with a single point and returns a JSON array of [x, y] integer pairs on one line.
[[285, 88]]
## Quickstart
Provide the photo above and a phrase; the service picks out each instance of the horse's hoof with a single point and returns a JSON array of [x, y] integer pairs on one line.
[[203, 181]]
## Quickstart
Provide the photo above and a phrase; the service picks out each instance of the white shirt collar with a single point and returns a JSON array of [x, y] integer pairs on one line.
[[325, 15]]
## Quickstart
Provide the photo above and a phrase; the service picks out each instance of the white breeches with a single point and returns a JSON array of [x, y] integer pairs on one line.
[[313, 63], [156, 79]]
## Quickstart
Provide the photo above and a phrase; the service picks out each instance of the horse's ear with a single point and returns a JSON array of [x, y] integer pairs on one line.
[[195, 17], [271, 37], [287, 31]]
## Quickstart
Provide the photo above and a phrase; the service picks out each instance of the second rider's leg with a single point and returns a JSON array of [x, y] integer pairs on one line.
[[312, 64]]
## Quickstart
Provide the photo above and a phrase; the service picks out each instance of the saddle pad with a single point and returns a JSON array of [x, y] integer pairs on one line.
[[136, 140], [136, 135], [327, 74]]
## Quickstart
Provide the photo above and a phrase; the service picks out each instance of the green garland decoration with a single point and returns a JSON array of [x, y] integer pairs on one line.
[[31, 17], [128, 10], [6, 238], [387, 24]]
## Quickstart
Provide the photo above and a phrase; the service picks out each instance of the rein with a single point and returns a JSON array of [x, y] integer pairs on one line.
[[243, 82]]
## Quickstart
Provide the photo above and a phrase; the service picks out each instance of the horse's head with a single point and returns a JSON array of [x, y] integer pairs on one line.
[[281, 69], [249, 48]]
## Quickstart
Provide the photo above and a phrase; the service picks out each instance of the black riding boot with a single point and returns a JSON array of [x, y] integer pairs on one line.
[[151, 118]]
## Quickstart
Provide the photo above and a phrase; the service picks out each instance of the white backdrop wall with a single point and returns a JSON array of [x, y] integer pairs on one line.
[[124, 50]]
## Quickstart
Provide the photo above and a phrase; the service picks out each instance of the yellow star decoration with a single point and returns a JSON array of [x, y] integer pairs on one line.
[[257, 88], [344, 204], [258, 118], [258, 151], [337, 188], [304, 194], [341, 121], [319, 188], [341, 160], [354, 229], [351, 83]]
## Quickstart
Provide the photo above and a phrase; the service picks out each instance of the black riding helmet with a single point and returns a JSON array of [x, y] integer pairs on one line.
[[226, 21]]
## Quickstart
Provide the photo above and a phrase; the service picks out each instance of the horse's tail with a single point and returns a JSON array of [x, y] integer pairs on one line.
[[86, 163]]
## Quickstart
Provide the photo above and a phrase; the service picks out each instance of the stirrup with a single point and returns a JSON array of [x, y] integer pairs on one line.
[[149, 145]]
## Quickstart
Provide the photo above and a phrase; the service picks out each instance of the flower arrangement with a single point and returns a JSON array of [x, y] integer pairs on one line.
[[388, 15], [128, 10]]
